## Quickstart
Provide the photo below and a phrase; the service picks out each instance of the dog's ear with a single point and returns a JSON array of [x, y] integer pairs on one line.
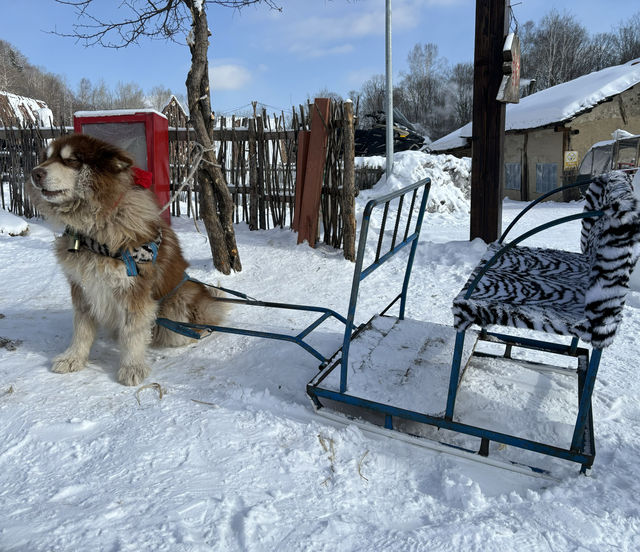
[[121, 161]]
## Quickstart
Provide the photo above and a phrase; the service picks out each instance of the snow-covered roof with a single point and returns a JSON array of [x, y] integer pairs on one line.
[[23, 111], [557, 104], [117, 112], [173, 98]]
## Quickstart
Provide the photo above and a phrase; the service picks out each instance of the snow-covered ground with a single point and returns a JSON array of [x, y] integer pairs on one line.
[[232, 456]]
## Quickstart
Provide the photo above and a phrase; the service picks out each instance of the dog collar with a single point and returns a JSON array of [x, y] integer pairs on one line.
[[146, 253]]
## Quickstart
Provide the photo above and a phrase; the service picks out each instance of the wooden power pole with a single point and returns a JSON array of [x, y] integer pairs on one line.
[[487, 158]]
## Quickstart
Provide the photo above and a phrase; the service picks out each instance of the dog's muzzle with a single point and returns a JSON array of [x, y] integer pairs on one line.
[[38, 176]]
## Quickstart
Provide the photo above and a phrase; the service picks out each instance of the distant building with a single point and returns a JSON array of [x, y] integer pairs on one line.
[[175, 113], [23, 111], [548, 133]]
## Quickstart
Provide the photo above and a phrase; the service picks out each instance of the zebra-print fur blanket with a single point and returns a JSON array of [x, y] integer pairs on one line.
[[576, 294]]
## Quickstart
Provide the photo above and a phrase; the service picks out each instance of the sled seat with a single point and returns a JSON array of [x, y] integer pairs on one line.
[[579, 295], [559, 292]]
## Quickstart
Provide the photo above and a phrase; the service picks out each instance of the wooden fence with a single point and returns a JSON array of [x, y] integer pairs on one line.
[[20, 152], [257, 154]]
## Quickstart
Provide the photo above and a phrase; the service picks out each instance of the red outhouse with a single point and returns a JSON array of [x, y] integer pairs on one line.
[[144, 133]]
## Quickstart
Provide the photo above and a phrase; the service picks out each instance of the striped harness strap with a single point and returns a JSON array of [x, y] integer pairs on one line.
[[146, 253]]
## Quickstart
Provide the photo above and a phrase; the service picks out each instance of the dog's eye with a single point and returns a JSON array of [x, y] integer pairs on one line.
[[72, 162]]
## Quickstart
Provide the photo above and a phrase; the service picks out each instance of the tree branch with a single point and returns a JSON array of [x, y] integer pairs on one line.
[[145, 19]]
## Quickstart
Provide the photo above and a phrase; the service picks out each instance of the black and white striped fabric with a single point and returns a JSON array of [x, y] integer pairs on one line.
[[576, 294]]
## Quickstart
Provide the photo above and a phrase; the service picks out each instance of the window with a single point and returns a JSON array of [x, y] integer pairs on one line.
[[627, 154], [602, 159], [546, 177], [512, 176], [587, 163]]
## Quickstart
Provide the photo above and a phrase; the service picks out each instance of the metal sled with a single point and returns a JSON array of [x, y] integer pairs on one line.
[[399, 373]]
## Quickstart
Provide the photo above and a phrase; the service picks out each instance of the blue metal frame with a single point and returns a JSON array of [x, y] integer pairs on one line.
[[582, 448], [198, 331]]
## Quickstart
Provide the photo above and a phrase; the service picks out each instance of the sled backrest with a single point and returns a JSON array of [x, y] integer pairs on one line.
[[611, 243], [400, 227]]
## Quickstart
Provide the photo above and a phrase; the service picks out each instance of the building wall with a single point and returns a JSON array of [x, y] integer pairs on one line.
[[623, 111], [540, 156], [538, 150]]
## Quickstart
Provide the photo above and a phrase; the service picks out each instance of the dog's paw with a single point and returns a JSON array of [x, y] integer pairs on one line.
[[133, 374], [64, 364]]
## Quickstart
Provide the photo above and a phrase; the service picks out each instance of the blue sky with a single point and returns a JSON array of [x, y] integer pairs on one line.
[[278, 58]]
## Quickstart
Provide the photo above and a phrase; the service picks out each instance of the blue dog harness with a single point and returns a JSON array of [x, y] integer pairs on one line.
[[146, 253]]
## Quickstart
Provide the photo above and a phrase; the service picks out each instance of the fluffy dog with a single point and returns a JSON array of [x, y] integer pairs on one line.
[[113, 229]]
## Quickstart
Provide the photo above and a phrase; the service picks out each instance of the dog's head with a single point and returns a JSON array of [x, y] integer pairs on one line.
[[74, 169]]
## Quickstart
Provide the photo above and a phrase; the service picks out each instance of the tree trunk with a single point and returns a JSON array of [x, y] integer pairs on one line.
[[217, 203]]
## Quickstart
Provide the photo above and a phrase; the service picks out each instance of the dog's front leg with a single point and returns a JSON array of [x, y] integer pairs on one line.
[[135, 336], [84, 332]]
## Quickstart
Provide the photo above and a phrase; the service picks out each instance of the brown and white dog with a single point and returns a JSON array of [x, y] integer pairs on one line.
[[88, 185]]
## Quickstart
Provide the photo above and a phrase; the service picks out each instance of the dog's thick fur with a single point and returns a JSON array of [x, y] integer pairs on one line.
[[88, 185]]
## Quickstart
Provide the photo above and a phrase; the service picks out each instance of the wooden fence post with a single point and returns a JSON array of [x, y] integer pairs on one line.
[[253, 177], [348, 185], [262, 176]]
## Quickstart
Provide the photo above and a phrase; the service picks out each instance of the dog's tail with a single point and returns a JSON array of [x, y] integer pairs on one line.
[[193, 302]]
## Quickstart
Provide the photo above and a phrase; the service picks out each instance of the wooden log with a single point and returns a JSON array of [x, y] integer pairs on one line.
[[253, 176], [348, 185], [262, 207]]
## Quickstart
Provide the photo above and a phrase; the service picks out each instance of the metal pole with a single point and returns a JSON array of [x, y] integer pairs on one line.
[[389, 98]]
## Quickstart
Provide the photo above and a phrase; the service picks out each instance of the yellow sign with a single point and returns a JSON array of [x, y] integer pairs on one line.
[[570, 160]]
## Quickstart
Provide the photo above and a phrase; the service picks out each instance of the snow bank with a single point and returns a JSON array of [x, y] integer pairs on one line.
[[11, 225], [450, 178]]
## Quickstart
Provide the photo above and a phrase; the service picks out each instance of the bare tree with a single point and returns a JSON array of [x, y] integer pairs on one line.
[[372, 96], [627, 39], [168, 20], [462, 88], [555, 51], [129, 95], [159, 97], [601, 52]]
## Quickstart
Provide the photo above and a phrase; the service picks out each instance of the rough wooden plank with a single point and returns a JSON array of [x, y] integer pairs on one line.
[[301, 164], [314, 173]]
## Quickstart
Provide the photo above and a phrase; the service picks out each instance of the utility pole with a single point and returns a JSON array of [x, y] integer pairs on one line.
[[389, 98], [487, 158]]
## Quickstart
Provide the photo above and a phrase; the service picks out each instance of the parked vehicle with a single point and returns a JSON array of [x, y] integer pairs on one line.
[[620, 153], [373, 140]]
